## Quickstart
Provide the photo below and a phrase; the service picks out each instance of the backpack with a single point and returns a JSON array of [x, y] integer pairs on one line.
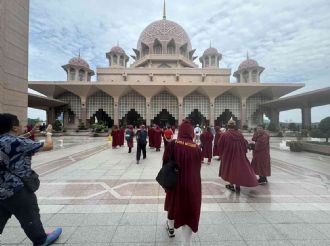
[[128, 135], [142, 137]]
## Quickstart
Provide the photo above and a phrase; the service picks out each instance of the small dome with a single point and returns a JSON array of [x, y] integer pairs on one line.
[[210, 51], [248, 63], [78, 62], [164, 31], [118, 50]]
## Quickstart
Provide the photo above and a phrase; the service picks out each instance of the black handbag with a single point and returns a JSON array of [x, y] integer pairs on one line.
[[168, 174], [31, 183]]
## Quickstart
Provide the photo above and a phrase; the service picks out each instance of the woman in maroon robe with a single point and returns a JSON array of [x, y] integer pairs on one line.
[[235, 166], [115, 137], [151, 137], [183, 204], [157, 137], [261, 157], [206, 141], [121, 136]]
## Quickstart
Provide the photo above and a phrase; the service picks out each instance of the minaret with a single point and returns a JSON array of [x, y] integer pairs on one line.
[[164, 11]]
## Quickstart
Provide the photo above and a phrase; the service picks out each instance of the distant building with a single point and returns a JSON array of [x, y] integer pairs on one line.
[[163, 85]]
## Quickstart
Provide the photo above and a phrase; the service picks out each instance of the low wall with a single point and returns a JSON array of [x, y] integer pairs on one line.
[[316, 148]]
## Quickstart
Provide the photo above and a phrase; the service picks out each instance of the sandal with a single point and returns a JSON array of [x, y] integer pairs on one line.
[[170, 231], [230, 187]]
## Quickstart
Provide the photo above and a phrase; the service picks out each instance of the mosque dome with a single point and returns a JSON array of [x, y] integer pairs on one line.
[[248, 63], [164, 31], [78, 61], [211, 51], [117, 50]]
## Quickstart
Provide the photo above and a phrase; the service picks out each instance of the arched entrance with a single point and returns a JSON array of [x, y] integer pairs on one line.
[[223, 119], [164, 118], [132, 118], [103, 117], [196, 117]]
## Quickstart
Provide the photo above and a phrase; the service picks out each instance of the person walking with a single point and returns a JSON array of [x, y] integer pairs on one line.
[[215, 142], [115, 133], [157, 137], [168, 136], [235, 167], [261, 157], [206, 142], [197, 132], [183, 203], [18, 181], [151, 137], [129, 136], [141, 139]]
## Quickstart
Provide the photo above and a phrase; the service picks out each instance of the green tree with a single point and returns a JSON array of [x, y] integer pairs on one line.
[[292, 127], [324, 127]]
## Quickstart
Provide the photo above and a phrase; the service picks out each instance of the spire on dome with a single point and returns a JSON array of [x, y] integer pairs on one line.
[[210, 44], [164, 11], [79, 53], [247, 55]]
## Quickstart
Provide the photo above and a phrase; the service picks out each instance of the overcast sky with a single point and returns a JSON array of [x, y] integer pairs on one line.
[[291, 39]]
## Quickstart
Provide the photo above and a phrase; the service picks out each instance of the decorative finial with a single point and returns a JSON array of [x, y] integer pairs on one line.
[[210, 43], [117, 43], [164, 11], [79, 53], [247, 55]]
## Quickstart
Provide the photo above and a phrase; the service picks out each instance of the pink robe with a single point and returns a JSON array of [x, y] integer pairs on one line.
[[115, 137], [235, 167], [151, 137], [261, 157]]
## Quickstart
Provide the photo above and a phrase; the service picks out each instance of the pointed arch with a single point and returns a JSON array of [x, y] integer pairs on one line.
[[196, 100], [164, 100], [171, 47], [100, 100], [145, 49], [157, 47], [132, 100], [73, 101], [225, 104]]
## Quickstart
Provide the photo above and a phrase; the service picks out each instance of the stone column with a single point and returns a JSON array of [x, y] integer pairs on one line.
[[306, 114], [181, 113], [83, 110], [148, 111], [212, 100], [50, 116], [76, 76], [275, 117], [116, 110], [244, 120], [86, 76], [241, 79]]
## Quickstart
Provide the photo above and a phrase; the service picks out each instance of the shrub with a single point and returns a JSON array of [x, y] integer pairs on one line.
[[57, 126], [295, 146], [279, 134], [272, 127], [81, 126], [324, 126]]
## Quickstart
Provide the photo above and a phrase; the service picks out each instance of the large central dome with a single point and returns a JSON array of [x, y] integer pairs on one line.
[[164, 31]]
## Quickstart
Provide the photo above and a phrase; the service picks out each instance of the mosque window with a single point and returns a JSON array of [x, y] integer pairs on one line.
[[72, 74], [255, 76], [157, 47], [115, 61], [213, 61], [121, 62], [207, 62], [183, 50], [245, 77], [81, 75], [171, 47]]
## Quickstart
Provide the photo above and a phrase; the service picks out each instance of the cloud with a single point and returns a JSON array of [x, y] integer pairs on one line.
[[291, 39]]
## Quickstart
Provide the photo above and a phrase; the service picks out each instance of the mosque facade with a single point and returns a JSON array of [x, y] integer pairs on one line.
[[163, 85]]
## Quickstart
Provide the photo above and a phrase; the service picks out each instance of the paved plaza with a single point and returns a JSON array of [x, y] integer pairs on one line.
[[100, 196]]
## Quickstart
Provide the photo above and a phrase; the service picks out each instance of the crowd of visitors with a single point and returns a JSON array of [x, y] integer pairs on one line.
[[18, 181]]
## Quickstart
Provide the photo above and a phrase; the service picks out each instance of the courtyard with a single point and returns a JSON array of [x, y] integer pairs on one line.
[[100, 196]]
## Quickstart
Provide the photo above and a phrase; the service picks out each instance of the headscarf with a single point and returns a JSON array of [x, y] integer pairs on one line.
[[186, 130]]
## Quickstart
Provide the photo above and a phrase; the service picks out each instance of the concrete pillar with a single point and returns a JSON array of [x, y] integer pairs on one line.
[[275, 117], [116, 111], [212, 100], [83, 110], [244, 120], [306, 114], [148, 111], [181, 113], [86, 75], [241, 79], [76, 77], [50, 116]]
